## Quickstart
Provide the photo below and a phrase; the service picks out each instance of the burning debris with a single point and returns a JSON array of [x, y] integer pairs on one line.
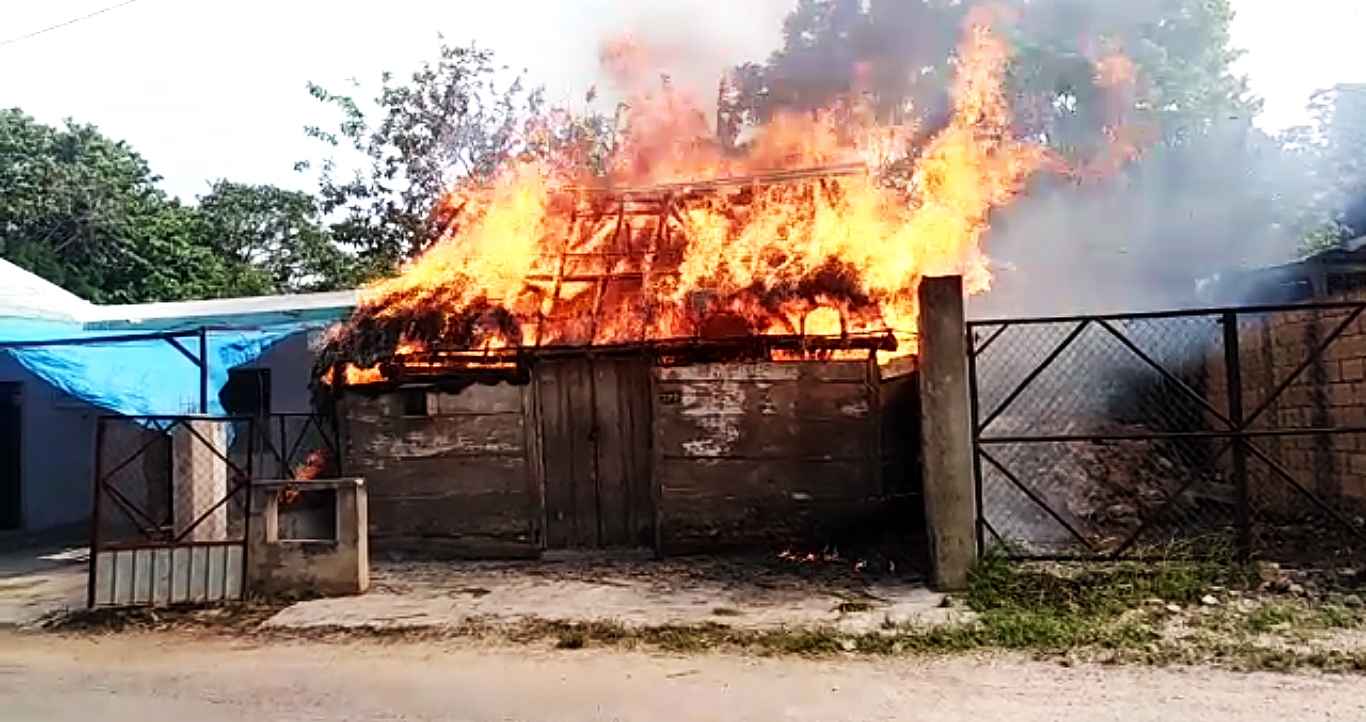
[[813, 228]]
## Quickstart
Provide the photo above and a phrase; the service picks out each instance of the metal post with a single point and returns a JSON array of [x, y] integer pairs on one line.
[[1233, 374], [95, 512], [975, 411], [203, 370]]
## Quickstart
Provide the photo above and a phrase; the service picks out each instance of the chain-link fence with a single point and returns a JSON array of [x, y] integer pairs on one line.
[[1115, 435]]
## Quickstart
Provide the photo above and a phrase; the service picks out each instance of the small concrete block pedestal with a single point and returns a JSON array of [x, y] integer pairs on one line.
[[308, 538]]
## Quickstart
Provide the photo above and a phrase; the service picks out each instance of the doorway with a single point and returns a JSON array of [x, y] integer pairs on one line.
[[595, 443], [11, 456]]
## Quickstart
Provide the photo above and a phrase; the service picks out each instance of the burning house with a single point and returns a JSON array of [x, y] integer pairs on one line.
[[695, 349]]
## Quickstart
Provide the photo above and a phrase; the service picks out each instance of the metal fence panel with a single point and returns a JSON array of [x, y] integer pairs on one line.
[[1222, 429]]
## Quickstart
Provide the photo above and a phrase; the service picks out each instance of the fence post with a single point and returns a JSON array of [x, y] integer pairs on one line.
[[946, 420], [1233, 379], [95, 516]]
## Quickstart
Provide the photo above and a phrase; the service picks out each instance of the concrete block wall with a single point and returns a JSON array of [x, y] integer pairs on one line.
[[1330, 393], [452, 481]]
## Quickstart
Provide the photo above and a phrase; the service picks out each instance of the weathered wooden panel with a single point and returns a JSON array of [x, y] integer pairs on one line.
[[439, 436], [731, 372], [723, 482], [595, 440], [836, 402], [625, 500], [500, 515], [837, 371], [439, 477], [764, 420], [733, 503], [365, 407], [566, 433], [768, 454], [502, 398], [702, 437], [466, 547]]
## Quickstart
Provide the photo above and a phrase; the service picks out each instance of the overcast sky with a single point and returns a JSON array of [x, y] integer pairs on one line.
[[216, 89]]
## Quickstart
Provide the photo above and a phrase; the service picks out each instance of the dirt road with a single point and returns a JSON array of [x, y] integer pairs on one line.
[[148, 679]]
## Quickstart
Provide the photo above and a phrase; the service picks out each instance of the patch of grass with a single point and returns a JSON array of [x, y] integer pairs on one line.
[[1336, 617], [1000, 584], [1267, 617]]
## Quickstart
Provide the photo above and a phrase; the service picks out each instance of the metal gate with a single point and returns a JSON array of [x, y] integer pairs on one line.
[[1238, 429], [171, 515], [170, 510]]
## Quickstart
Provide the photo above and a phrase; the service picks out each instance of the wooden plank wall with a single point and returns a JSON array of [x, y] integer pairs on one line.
[[763, 455], [455, 482]]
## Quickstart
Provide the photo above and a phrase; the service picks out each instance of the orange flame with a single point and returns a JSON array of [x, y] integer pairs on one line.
[[549, 254]]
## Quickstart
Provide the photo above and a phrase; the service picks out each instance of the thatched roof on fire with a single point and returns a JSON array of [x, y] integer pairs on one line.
[[607, 286]]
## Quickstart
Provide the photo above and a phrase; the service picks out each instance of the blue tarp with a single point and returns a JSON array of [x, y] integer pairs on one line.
[[145, 377]]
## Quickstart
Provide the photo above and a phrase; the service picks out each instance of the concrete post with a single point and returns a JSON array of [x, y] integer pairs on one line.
[[199, 479], [946, 422]]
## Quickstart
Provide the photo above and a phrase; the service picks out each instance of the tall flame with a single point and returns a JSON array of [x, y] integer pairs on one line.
[[548, 252]]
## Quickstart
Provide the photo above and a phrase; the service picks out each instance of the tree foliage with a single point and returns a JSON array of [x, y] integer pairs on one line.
[[1330, 152], [457, 117], [84, 211], [273, 241]]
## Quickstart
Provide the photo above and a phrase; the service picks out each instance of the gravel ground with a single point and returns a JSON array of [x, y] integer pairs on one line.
[[173, 677]]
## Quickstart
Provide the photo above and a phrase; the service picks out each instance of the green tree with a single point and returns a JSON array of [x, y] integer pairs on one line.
[[273, 240], [84, 211], [1331, 153], [458, 117]]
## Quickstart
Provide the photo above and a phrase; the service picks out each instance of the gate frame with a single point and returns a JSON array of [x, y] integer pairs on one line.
[[244, 479], [1238, 436]]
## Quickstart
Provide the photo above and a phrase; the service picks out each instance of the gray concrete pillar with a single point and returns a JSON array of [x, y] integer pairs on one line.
[[946, 423], [199, 479]]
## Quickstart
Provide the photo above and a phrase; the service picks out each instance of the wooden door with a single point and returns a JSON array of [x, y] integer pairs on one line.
[[595, 436]]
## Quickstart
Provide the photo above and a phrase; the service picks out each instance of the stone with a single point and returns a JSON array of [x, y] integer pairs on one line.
[[1209, 600], [1352, 601], [1268, 572], [1296, 590], [1174, 608]]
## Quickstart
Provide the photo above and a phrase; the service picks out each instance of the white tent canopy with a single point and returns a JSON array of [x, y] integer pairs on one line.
[[24, 295]]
